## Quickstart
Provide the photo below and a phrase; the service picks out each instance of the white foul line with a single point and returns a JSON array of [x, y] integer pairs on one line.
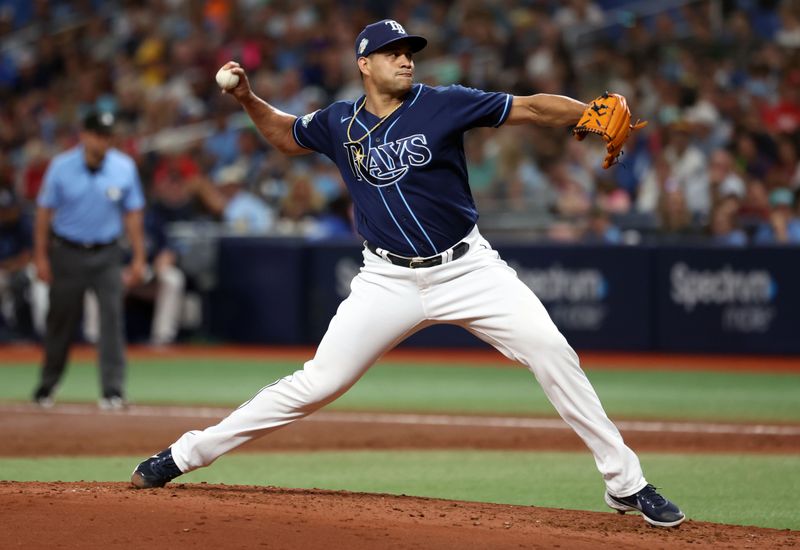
[[419, 419]]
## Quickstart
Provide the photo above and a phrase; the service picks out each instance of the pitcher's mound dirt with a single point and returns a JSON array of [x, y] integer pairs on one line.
[[199, 516], [112, 515]]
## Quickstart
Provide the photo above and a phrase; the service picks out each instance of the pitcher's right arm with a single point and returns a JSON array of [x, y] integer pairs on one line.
[[274, 124]]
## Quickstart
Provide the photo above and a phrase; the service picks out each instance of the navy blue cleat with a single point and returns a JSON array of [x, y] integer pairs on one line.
[[156, 471], [656, 510]]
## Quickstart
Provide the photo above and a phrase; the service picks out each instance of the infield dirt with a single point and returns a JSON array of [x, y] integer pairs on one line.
[[113, 515]]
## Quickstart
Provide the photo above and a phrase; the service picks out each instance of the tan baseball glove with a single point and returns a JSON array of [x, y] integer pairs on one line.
[[609, 117]]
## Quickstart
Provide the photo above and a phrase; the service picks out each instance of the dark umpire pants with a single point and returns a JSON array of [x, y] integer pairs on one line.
[[76, 269]]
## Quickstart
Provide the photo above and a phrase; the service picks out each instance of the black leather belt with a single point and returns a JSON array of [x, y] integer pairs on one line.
[[458, 250], [57, 239]]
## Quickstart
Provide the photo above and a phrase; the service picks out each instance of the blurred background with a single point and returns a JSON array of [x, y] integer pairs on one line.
[[687, 245]]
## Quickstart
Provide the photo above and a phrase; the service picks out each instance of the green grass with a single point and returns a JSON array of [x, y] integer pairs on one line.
[[435, 388], [762, 490], [751, 489]]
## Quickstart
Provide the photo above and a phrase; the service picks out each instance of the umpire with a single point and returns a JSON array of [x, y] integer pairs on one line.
[[89, 193]]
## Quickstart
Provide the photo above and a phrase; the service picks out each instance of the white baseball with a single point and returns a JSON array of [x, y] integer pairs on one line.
[[227, 79]]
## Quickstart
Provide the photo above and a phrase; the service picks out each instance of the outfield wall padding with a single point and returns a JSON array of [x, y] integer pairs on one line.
[[634, 298]]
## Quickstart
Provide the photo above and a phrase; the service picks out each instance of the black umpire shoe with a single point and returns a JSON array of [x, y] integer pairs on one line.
[[655, 509], [156, 471], [112, 402], [43, 398]]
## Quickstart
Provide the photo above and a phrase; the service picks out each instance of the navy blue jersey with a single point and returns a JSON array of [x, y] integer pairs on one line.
[[408, 176]]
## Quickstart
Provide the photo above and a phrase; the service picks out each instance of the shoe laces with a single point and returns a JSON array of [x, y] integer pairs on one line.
[[650, 494], [165, 467]]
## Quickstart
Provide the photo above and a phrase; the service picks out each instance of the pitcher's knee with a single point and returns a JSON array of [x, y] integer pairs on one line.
[[555, 349], [320, 386], [323, 393]]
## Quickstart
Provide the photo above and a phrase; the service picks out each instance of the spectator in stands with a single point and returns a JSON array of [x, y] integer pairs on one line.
[[326, 179], [301, 205], [600, 229], [241, 211], [34, 165], [544, 62], [755, 207], [783, 114], [563, 231], [788, 36], [518, 183], [610, 198], [723, 180], [222, 146], [634, 168], [783, 226], [738, 38], [336, 221], [579, 13], [675, 219], [15, 257], [252, 156], [482, 168], [582, 166], [288, 94], [657, 180], [708, 129], [156, 57], [164, 284], [18, 288], [786, 172], [688, 167], [572, 200], [723, 226], [751, 152], [173, 193]]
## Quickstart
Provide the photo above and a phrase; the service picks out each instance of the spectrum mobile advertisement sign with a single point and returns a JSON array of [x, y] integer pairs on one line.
[[729, 300], [599, 297]]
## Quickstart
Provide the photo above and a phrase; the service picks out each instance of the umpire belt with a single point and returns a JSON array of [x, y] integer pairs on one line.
[[448, 255], [91, 247]]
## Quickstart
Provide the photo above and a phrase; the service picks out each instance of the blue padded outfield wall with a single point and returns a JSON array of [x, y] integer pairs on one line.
[[260, 294], [720, 300], [285, 291]]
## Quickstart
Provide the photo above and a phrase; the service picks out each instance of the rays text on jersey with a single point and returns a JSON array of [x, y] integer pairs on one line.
[[388, 163]]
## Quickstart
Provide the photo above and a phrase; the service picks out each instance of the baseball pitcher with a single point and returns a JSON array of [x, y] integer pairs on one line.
[[399, 148]]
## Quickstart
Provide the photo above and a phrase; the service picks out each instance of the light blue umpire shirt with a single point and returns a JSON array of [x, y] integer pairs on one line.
[[89, 206]]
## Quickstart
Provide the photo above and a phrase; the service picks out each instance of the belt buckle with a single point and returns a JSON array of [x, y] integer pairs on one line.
[[416, 262]]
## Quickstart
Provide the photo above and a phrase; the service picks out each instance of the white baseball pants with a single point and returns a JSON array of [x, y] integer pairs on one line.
[[387, 304]]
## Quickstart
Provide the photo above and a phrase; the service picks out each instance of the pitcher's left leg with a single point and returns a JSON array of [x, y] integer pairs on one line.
[[379, 313], [498, 308]]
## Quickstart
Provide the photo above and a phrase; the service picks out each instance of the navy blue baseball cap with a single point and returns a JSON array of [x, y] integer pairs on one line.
[[377, 35], [99, 122]]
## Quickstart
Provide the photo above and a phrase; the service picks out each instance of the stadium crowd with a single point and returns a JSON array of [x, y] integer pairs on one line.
[[718, 81]]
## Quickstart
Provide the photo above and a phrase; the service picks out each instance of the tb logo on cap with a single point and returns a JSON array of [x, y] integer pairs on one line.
[[396, 27]]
